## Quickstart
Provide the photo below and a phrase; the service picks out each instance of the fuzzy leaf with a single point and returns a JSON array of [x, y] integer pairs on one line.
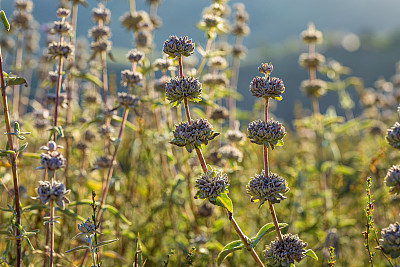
[[223, 201], [228, 249], [77, 248], [22, 148], [17, 81], [266, 229], [28, 242], [310, 253], [5, 20], [105, 243]]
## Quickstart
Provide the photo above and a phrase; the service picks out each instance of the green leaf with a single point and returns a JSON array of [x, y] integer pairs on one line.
[[5, 75], [16, 127], [28, 242], [70, 213], [117, 213], [266, 229], [105, 243], [89, 77], [310, 253], [17, 81], [223, 201], [228, 249], [77, 248], [5, 20], [22, 148]]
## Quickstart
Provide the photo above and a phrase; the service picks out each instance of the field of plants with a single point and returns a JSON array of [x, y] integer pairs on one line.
[[155, 165]]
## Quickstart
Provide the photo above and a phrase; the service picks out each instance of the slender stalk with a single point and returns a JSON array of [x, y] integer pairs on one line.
[[104, 77], [234, 82], [51, 232], [185, 102], [13, 161], [202, 160], [180, 67], [204, 59], [18, 64], [132, 6], [266, 170]]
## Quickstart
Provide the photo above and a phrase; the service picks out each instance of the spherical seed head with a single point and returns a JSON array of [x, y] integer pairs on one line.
[[135, 56], [262, 188], [267, 87], [269, 133], [315, 88], [211, 184], [286, 252], [63, 12], [43, 191], [193, 135], [162, 64], [61, 27], [144, 40], [265, 68], [240, 29], [392, 179], [136, 21], [311, 35], [179, 88], [21, 19], [239, 50], [314, 60], [87, 227], [101, 45], [230, 153], [393, 136], [52, 161], [389, 241], [130, 78], [102, 162], [128, 100], [24, 5], [176, 47]]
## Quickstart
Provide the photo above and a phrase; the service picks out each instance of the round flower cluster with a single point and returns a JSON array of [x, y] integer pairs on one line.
[[51, 160], [211, 184], [162, 64], [315, 88], [102, 162], [98, 33], [135, 55], [268, 133], [234, 136], [284, 253], [128, 100], [311, 35], [130, 78], [101, 45], [56, 191], [392, 179], [179, 88], [215, 79], [219, 113], [101, 13], [136, 21], [193, 135], [267, 87], [239, 50], [61, 27], [393, 135], [240, 29], [177, 47], [389, 241], [230, 153], [64, 50], [314, 60], [262, 188], [63, 12], [87, 227], [265, 68], [218, 63]]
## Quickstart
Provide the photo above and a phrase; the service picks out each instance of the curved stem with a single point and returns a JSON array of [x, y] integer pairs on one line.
[[13, 161]]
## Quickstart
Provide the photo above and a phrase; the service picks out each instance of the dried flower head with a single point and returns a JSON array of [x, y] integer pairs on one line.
[[55, 190], [286, 252], [311, 35], [61, 27], [211, 22], [136, 21], [265, 68], [193, 135], [218, 63], [262, 188], [24, 5], [308, 60], [389, 241], [239, 50], [98, 33], [176, 47], [87, 227], [215, 79], [392, 179], [393, 135], [21, 19], [219, 113], [162, 64], [179, 88], [268, 133], [240, 29], [267, 87], [63, 12], [128, 100], [102, 45], [130, 78], [315, 88], [101, 13], [211, 184], [105, 130], [51, 160], [144, 40], [102, 162], [135, 55], [234, 136], [230, 152], [63, 50]]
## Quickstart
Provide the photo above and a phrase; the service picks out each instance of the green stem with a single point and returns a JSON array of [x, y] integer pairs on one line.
[[13, 161]]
